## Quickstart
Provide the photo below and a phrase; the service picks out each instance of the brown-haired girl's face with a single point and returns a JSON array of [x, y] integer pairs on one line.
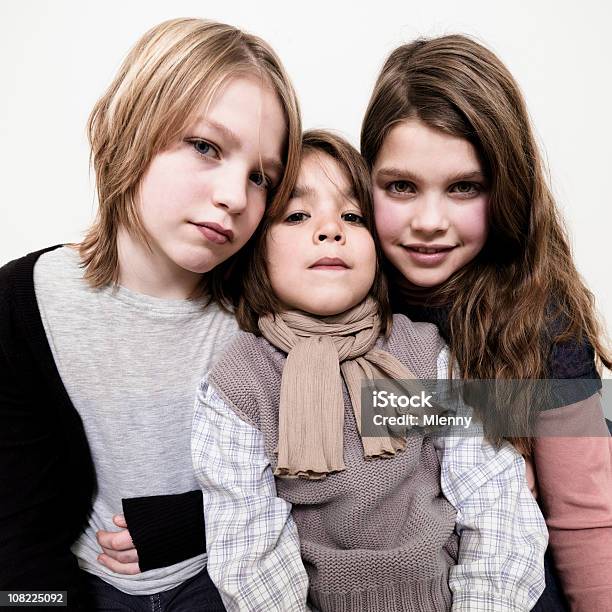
[[430, 201], [320, 256], [202, 198]]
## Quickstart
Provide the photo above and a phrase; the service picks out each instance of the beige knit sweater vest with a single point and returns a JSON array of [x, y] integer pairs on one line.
[[379, 536]]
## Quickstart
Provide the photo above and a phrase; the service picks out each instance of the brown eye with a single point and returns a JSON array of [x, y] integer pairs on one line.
[[296, 217], [352, 217], [465, 188], [401, 187]]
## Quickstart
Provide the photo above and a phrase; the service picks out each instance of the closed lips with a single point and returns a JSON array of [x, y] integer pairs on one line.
[[329, 262], [217, 228]]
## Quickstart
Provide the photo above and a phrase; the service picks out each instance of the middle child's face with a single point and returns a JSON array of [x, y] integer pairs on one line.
[[320, 256]]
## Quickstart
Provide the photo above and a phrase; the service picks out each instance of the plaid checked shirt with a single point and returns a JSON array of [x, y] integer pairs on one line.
[[253, 545]]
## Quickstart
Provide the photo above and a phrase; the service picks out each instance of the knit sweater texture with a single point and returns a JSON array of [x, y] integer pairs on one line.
[[378, 536]]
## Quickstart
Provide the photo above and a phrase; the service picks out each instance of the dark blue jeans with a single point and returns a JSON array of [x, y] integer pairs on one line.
[[552, 599], [196, 594]]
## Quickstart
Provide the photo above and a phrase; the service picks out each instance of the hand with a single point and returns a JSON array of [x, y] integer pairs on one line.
[[119, 554]]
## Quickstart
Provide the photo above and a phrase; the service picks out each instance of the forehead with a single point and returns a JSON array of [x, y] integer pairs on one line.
[[319, 172], [418, 147], [247, 110]]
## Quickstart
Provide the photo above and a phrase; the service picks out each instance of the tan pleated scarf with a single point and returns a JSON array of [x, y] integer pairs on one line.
[[320, 353]]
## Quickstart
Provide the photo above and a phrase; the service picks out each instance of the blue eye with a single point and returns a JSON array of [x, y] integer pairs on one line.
[[204, 148], [261, 180]]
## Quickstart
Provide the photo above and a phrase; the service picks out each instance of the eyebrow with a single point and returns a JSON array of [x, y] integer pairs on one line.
[[305, 191], [269, 163], [403, 173]]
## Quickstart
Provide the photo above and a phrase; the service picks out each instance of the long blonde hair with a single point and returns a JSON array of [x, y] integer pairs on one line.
[[170, 72], [522, 293]]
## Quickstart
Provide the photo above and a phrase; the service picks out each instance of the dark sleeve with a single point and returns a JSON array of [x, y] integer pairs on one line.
[[572, 359], [42, 474], [572, 371], [166, 529]]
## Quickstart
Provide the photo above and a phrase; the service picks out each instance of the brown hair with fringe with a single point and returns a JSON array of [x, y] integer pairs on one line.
[[170, 72], [522, 293], [257, 297]]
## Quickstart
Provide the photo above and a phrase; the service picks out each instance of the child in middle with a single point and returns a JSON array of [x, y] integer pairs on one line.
[[440, 524]]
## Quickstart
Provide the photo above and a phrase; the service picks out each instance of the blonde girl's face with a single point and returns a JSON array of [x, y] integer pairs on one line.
[[202, 198], [430, 200], [320, 256]]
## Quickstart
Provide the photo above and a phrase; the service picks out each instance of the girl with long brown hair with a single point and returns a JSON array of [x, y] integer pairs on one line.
[[475, 244]]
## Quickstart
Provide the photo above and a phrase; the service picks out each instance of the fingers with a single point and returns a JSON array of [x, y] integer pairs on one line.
[[115, 540], [119, 554], [119, 520], [123, 556], [116, 566]]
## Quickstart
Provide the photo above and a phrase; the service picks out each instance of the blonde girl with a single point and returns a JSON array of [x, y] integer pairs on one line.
[[102, 343], [475, 244]]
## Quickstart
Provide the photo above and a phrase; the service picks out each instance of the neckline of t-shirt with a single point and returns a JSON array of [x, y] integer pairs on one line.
[[142, 301]]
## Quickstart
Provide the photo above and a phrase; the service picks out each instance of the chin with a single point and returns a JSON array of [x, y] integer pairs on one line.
[[328, 308], [326, 312], [196, 268], [426, 281], [197, 263]]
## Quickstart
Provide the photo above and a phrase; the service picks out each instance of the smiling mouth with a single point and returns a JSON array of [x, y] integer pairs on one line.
[[429, 250], [428, 256]]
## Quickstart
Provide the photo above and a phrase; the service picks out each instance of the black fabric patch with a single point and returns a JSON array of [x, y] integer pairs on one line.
[[166, 529]]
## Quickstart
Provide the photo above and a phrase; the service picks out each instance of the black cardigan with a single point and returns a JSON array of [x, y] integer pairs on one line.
[[46, 472]]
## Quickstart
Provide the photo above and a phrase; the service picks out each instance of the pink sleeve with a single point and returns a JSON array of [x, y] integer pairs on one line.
[[574, 481]]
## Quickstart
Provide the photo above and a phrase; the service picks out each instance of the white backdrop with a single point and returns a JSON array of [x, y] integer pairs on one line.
[[57, 57]]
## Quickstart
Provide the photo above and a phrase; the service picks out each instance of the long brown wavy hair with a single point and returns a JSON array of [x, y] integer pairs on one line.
[[522, 293]]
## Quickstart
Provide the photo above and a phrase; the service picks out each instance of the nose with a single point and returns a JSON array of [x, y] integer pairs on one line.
[[430, 215], [330, 228], [230, 190]]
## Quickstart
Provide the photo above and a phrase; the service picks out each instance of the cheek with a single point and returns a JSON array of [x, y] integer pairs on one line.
[[275, 247], [389, 222], [278, 263], [472, 224], [252, 217], [372, 262], [367, 261], [167, 191]]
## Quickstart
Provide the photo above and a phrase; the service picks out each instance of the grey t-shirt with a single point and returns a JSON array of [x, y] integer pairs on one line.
[[131, 364]]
